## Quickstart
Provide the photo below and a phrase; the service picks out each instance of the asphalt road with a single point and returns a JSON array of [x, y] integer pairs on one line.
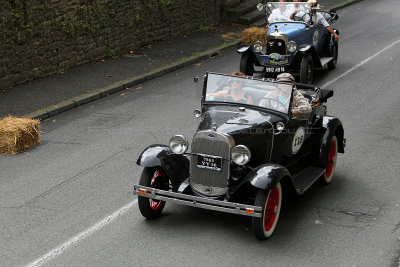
[[55, 198]]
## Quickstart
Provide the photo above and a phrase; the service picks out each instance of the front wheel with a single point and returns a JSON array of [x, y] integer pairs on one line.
[[271, 202], [246, 64], [306, 69], [330, 161], [154, 178]]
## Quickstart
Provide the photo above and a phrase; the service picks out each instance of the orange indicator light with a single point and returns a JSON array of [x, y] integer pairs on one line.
[[248, 210], [142, 191]]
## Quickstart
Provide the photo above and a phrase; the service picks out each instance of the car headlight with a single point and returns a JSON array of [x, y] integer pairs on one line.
[[291, 46], [258, 46], [178, 144], [241, 154]]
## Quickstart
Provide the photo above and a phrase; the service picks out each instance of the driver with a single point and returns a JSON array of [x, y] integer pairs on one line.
[[280, 14], [300, 105], [235, 93]]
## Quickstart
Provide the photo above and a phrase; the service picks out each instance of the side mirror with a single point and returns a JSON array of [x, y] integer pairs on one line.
[[196, 79]]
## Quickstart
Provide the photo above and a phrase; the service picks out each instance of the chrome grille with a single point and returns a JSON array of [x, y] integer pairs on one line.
[[206, 181], [273, 47]]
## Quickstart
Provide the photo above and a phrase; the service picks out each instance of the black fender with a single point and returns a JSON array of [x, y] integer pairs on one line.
[[307, 49], [176, 166], [267, 176], [331, 126], [243, 49]]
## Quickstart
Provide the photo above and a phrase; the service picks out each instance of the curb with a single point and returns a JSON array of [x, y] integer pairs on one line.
[[108, 90], [119, 86]]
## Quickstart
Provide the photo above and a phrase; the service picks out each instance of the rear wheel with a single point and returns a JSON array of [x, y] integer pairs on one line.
[[330, 160], [246, 64], [154, 178], [271, 201], [333, 53], [306, 69]]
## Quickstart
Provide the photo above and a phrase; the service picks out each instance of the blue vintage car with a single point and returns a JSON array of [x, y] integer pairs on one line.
[[294, 43]]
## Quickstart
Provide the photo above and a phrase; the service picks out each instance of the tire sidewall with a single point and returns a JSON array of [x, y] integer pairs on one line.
[[258, 223], [143, 202], [306, 62], [325, 179]]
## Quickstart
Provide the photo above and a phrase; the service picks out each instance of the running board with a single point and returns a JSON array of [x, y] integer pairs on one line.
[[325, 60], [304, 179], [199, 202]]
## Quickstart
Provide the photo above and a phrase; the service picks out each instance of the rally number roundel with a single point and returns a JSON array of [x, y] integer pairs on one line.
[[298, 140], [315, 37]]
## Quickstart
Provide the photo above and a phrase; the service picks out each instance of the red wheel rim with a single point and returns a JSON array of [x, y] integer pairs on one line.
[[331, 159], [157, 176], [271, 209]]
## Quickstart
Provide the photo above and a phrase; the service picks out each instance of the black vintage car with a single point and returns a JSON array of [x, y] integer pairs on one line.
[[245, 147], [295, 44]]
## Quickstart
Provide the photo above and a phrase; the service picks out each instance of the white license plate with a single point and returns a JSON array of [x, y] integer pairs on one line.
[[209, 162], [275, 69]]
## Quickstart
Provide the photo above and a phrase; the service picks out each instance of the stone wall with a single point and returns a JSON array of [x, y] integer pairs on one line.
[[42, 37]]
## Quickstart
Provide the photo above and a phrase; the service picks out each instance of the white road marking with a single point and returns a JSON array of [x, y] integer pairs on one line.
[[360, 64], [81, 236]]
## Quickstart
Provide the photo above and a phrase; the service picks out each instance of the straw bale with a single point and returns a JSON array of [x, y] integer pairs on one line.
[[18, 134], [253, 34]]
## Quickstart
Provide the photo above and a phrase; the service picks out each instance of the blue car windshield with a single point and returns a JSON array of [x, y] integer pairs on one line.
[[241, 90]]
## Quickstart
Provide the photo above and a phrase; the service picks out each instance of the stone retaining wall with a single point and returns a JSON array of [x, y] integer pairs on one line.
[[42, 37]]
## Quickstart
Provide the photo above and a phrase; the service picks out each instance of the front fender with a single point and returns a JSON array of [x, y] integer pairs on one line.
[[267, 176], [243, 49], [176, 166]]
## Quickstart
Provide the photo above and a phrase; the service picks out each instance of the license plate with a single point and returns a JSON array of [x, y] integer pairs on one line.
[[275, 69], [209, 162]]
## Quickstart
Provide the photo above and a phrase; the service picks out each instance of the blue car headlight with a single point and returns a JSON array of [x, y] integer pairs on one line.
[[258, 46], [291, 46]]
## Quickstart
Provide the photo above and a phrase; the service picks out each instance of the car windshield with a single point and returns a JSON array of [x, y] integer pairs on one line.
[[282, 11], [241, 90]]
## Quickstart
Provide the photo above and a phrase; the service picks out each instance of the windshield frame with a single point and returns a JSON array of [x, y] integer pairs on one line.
[[208, 102]]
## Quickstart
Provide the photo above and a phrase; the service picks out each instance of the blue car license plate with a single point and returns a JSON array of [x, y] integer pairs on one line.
[[209, 162], [275, 69]]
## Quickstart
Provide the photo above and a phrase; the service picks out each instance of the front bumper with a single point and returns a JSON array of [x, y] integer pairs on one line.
[[199, 202]]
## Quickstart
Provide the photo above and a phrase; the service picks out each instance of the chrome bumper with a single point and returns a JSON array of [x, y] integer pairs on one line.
[[199, 202]]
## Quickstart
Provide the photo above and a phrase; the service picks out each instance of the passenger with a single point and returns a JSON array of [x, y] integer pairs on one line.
[[280, 14], [300, 105], [296, 9], [235, 93], [317, 17]]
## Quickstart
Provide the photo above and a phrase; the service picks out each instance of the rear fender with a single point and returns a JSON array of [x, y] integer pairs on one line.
[[331, 126], [175, 165]]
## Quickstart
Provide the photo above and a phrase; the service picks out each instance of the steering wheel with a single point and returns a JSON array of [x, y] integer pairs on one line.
[[268, 103]]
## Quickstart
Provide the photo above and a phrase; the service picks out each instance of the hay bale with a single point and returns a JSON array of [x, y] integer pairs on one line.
[[253, 34], [18, 134]]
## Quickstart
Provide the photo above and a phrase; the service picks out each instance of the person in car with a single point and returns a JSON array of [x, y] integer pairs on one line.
[[316, 17], [280, 14], [300, 105], [235, 93]]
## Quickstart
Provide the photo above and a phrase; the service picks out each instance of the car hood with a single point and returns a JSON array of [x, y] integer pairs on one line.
[[292, 30], [232, 121]]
